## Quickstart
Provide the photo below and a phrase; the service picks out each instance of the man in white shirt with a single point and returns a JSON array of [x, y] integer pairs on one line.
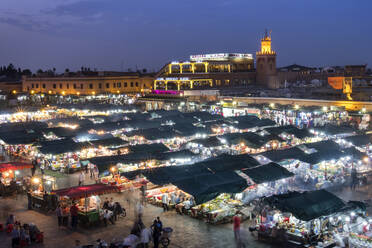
[[165, 201]]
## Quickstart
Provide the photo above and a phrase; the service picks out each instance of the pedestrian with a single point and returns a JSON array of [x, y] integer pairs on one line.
[[354, 178], [108, 216], [16, 235], [33, 168], [91, 170], [236, 221], [146, 235], [81, 178], [74, 215], [156, 233], [29, 200], [165, 202], [59, 215]]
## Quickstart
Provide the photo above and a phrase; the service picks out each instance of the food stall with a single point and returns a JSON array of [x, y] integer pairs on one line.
[[87, 199], [310, 218], [40, 195], [10, 179]]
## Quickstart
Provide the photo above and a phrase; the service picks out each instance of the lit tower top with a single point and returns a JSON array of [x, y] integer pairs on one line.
[[266, 44]]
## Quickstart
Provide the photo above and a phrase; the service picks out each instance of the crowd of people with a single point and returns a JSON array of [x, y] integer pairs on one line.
[[22, 234]]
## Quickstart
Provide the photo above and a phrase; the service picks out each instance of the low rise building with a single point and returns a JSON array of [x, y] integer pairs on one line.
[[125, 82]]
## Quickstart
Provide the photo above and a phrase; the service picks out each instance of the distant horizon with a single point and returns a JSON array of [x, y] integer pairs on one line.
[[114, 35]]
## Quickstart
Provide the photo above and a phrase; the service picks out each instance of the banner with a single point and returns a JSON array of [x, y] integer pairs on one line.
[[336, 82]]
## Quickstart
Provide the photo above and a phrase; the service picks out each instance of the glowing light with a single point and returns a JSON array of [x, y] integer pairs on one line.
[[78, 93], [272, 105], [6, 174], [118, 92], [63, 93], [113, 169], [364, 110], [93, 93], [347, 218], [16, 172], [14, 91], [366, 159], [325, 109], [296, 106], [352, 214], [49, 92], [32, 91], [35, 180]]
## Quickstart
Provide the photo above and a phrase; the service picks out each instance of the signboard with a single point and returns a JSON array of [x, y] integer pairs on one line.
[[336, 82], [220, 56], [344, 83]]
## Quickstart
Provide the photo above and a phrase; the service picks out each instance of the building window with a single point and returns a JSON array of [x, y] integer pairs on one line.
[[107, 85], [119, 85], [125, 84], [67, 86], [114, 86], [81, 86], [54, 86], [74, 86], [136, 84], [90, 86], [43, 86], [32, 85], [131, 84], [100, 85], [37, 86], [60, 86]]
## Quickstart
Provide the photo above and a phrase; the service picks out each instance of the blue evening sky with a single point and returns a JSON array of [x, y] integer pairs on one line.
[[116, 34]]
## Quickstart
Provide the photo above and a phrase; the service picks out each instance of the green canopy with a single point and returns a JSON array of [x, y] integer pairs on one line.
[[267, 173], [308, 205]]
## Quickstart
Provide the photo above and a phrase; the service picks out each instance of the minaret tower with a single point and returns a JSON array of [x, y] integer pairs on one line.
[[266, 64]]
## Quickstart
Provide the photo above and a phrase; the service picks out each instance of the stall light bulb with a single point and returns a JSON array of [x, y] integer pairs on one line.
[[352, 214], [347, 219], [331, 219], [16, 172], [339, 218]]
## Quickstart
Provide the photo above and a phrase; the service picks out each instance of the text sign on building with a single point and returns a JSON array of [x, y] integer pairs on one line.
[[220, 56]]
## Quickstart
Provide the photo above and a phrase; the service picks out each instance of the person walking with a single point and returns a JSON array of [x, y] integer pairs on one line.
[[81, 178], [354, 178], [91, 170], [156, 233], [33, 169], [59, 215], [165, 202], [74, 215], [236, 221], [16, 236]]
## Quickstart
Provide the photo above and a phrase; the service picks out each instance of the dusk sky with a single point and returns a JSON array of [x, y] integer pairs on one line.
[[122, 34]]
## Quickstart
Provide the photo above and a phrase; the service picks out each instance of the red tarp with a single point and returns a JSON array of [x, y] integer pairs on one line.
[[14, 166], [86, 191]]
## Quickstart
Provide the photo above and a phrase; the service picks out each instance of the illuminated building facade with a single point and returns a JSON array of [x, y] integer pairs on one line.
[[205, 71], [88, 85]]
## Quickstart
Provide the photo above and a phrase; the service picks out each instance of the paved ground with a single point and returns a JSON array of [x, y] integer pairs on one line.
[[188, 232]]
